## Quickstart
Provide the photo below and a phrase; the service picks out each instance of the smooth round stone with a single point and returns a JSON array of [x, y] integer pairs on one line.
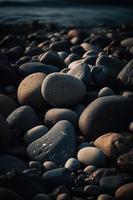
[[125, 192], [131, 127], [7, 105], [106, 114], [23, 118], [106, 91], [90, 60], [111, 63], [5, 133], [35, 164], [75, 63], [23, 60], [91, 156], [82, 72], [90, 169], [57, 177], [51, 58], [15, 53], [63, 196], [29, 91], [71, 58], [7, 163], [100, 41], [33, 67], [128, 94], [91, 53], [73, 164], [49, 165], [113, 144], [54, 115], [59, 90], [77, 49], [125, 162], [62, 45], [109, 184], [75, 33], [83, 144], [128, 42], [125, 77], [7, 194], [60, 190], [58, 145], [41, 197], [91, 190], [35, 133], [105, 197], [63, 55]]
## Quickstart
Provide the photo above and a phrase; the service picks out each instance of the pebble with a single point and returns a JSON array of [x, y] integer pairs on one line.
[[34, 67], [72, 164], [35, 164], [54, 115], [125, 162], [49, 165], [57, 177], [90, 169], [5, 133], [91, 156], [91, 190], [59, 90], [35, 133], [58, 145], [41, 197], [71, 58], [106, 91], [113, 144], [105, 114], [125, 192], [63, 196], [29, 91], [105, 197], [23, 118]]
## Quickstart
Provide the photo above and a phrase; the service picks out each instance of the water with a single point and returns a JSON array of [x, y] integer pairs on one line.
[[64, 12]]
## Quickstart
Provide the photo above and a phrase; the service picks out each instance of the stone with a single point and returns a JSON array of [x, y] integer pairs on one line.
[[54, 115], [63, 196], [91, 156], [106, 114], [113, 144], [35, 133], [125, 77], [124, 192], [73, 164], [52, 58], [105, 197], [57, 177], [33, 67], [106, 91], [100, 41], [7, 105], [60, 90], [58, 145], [5, 133], [91, 190], [128, 42], [49, 165], [82, 72], [29, 91], [71, 58], [35, 164], [62, 45], [90, 169], [125, 162], [23, 118], [8, 163], [41, 197]]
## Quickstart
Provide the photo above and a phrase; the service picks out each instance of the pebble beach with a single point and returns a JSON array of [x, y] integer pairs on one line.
[[66, 112]]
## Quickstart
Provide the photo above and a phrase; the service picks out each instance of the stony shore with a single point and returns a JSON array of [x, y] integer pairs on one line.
[[66, 112]]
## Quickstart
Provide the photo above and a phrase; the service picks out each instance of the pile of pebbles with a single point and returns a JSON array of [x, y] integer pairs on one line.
[[66, 113]]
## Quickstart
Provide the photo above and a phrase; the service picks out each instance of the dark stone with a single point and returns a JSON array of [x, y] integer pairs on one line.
[[125, 162], [106, 114], [125, 192], [62, 45], [23, 118], [58, 145], [7, 194]]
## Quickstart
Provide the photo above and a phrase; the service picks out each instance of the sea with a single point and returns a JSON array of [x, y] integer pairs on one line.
[[66, 12]]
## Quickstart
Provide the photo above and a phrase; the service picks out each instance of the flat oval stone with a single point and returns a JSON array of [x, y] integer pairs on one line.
[[54, 115], [33, 67], [106, 91], [5, 133], [106, 114], [29, 90], [35, 133], [91, 156], [73, 164], [23, 118], [58, 145], [105, 197], [113, 144], [60, 90], [125, 192], [125, 162], [8, 162]]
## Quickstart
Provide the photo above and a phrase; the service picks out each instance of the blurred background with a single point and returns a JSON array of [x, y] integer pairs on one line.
[[68, 12]]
